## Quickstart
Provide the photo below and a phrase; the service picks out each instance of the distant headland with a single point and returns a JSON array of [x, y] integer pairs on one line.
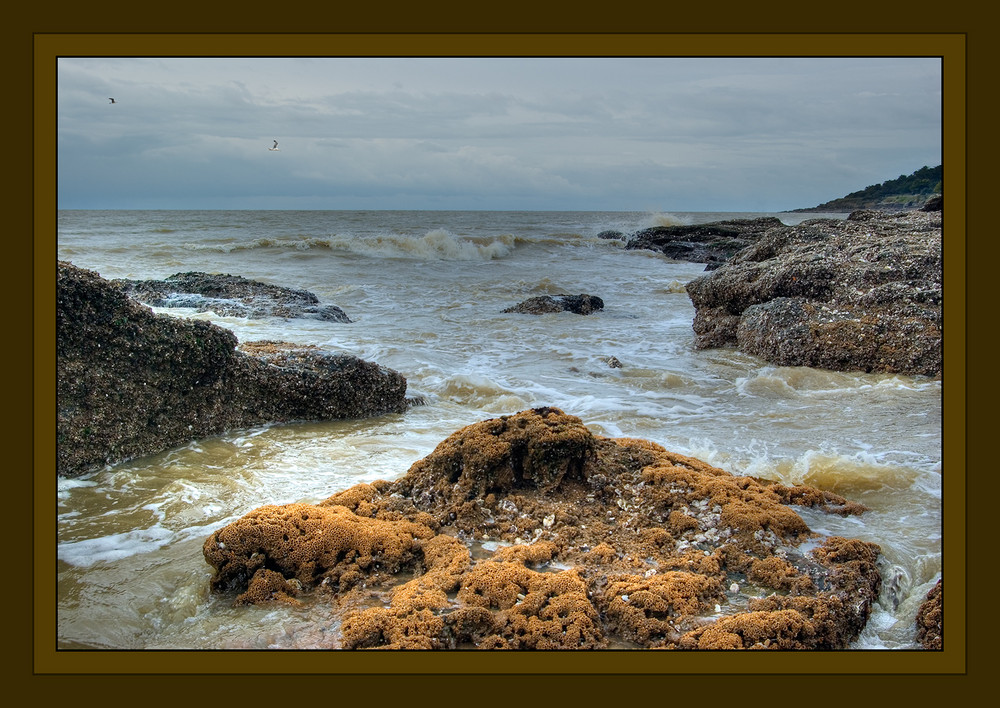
[[904, 192]]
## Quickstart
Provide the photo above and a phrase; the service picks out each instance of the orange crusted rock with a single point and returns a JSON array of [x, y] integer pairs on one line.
[[745, 505], [388, 628], [645, 609], [268, 585], [930, 619], [311, 544], [532, 450], [593, 542], [536, 610], [783, 629], [358, 499], [779, 574]]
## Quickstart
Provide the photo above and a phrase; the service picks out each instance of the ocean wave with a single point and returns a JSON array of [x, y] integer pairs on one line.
[[299, 243], [798, 381], [673, 287], [437, 244], [841, 473], [87, 552], [664, 218], [473, 389]]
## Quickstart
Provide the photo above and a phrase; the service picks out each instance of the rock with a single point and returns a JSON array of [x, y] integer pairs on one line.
[[703, 243], [612, 235], [935, 203], [230, 296], [130, 382], [930, 619], [597, 543], [579, 304], [861, 294]]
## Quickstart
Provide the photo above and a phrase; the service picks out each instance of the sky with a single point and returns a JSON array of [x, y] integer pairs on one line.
[[506, 133]]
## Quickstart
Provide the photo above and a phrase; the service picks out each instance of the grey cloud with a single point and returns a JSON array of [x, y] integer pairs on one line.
[[612, 133]]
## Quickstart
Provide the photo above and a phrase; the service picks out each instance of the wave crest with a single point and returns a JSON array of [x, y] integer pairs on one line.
[[437, 244], [664, 218]]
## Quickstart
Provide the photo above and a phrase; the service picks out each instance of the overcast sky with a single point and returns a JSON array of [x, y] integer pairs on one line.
[[630, 134]]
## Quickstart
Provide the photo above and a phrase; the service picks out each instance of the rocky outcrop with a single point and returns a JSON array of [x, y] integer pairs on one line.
[[713, 243], [930, 619], [935, 203], [529, 532], [858, 294], [130, 382], [579, 304], [231, 296]]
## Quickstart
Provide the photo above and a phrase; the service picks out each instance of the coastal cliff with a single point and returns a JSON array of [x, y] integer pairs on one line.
[[131, 382]]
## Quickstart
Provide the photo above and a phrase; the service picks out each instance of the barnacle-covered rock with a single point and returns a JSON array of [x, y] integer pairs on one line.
[[713, 243], [130, 382], [582, 304], [862, 294], [231, 296]]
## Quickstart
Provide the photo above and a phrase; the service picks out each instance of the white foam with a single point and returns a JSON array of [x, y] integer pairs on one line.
[[665, 218], [437, 244], [87, 552]]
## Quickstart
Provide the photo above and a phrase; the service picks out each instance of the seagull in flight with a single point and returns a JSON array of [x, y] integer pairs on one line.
[[275, 146], [112, 100]]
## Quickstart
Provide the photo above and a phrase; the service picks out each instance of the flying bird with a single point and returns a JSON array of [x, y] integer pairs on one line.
[[275, 146], [112, 100]]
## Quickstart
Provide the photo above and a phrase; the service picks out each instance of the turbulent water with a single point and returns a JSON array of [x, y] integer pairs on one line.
[[425, 291]]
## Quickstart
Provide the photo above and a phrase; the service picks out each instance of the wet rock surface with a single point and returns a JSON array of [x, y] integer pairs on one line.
[[713, 243], [131, 382], [930, 619], [579, 304], [230, 296], [858, 294], [529, 532]]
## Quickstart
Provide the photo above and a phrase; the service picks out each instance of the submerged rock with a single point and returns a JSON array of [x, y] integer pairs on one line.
[[230, 296], [579, 304], [861, 294], [529, 532], [130, 382]]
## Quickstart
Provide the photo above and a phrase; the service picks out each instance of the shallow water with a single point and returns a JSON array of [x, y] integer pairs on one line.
[[425, 291]]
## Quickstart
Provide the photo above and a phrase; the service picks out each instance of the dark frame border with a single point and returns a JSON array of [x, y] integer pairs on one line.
[[48, 47]]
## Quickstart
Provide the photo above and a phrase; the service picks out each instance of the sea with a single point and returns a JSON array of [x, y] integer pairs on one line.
[[425, 291]]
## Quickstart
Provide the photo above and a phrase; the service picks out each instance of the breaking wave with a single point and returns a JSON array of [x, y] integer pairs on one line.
[[663, 218], [437, 244], [848, 474]]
